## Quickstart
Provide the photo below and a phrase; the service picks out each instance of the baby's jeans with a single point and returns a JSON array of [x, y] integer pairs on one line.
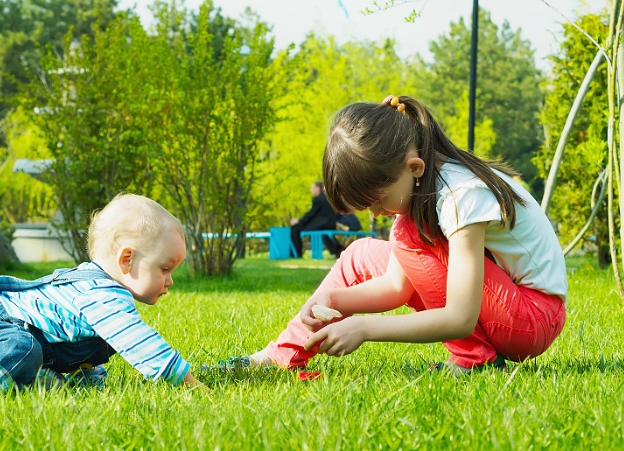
[[24, 350], [515, 322]]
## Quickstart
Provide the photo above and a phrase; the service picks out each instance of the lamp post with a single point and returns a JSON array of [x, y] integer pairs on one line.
[[473, 75]]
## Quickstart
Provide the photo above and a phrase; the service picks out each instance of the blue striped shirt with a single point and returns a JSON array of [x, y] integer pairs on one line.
[[98, 307]]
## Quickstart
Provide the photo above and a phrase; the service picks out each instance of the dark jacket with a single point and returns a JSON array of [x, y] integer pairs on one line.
[[321, 215], [350, 221]]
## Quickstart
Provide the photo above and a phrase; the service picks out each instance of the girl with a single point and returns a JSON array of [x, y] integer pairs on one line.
[[470, 250]]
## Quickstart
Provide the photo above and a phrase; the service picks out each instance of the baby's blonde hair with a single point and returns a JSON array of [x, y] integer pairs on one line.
[[128, 217]]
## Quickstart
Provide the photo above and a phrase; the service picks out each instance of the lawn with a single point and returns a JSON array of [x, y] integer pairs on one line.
[[380, 397]]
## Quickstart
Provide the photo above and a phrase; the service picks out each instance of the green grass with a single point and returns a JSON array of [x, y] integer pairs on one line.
[[380, 397]]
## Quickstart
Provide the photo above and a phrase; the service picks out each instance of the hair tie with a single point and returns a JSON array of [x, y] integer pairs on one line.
[[393, 101]]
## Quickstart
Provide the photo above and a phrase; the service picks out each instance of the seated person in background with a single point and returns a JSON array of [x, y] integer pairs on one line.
[[75, 319], [321, 216], [348, 222]]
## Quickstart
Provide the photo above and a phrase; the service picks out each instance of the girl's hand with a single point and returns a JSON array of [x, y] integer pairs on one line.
[[308, 318], [339, 338]]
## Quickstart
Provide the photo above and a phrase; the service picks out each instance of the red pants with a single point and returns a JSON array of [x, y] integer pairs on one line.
[[515, 322]]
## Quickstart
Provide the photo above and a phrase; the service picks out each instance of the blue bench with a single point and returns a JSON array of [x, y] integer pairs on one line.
[[316, 239], [248, 235]]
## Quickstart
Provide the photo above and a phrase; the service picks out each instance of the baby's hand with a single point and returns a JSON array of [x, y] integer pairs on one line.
[[190, 381]]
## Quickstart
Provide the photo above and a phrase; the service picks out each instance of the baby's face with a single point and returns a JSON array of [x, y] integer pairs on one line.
[[152, 266]]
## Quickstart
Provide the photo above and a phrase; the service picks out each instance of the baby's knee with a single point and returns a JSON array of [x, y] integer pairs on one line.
[[21, 357]]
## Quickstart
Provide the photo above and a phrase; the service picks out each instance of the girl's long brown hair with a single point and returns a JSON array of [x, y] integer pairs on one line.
[[365, 153]]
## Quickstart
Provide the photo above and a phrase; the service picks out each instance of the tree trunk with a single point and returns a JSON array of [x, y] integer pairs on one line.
[[6, 250], [604, 254]]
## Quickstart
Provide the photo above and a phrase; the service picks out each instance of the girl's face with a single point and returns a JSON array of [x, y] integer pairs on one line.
[[397, 198], [149, 276]]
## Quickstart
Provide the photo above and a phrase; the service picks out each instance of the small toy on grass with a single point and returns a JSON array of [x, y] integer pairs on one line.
[[309, 375]]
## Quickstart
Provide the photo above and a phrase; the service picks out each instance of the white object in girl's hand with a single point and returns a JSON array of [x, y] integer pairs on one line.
[[325, 314]]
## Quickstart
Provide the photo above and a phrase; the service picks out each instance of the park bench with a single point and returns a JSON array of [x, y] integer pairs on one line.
[[248, 235], [316, 239], [280, 246]]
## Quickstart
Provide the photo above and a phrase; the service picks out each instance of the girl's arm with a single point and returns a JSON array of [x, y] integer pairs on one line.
[[456, 320], [380, 294]]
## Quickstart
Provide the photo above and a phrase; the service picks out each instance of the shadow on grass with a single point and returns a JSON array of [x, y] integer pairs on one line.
[[577, 366], [372, 374], [219, 378], [318, 370], [258, 275]]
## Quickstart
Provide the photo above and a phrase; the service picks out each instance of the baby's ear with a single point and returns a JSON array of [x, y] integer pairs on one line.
[[124, 260]]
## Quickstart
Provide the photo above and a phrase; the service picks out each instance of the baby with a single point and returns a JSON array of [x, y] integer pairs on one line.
[[73, 320]]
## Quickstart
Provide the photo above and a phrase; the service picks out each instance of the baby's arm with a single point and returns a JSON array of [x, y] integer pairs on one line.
[[112, 315], [190, 381]]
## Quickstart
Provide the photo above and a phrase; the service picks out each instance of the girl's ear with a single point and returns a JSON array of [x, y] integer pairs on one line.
[[416, 165], [124, 260]]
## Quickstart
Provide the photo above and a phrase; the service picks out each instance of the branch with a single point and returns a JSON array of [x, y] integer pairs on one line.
[[602, 178], [413, 15], [575, 25], [576, 106]]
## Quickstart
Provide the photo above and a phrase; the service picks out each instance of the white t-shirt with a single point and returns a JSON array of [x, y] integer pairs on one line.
[[530, 253]]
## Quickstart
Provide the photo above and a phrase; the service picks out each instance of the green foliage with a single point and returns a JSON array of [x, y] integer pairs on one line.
[[208, 122], [89, 107], [456, 128], [380, 397], [219, 27], [23, 197], [162, 116], [322, 77], [507, 84], [585, 153], [27, 26]]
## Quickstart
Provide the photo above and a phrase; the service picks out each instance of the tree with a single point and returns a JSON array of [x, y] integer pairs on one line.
[[322, 77], [24, 198], [162, 116], [28, 26], [209, 121], [456, 127], [89, 105], [7, 254], [507, 85]]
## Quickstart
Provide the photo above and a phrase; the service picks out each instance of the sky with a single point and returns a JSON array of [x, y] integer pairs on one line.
[[540, 21]]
